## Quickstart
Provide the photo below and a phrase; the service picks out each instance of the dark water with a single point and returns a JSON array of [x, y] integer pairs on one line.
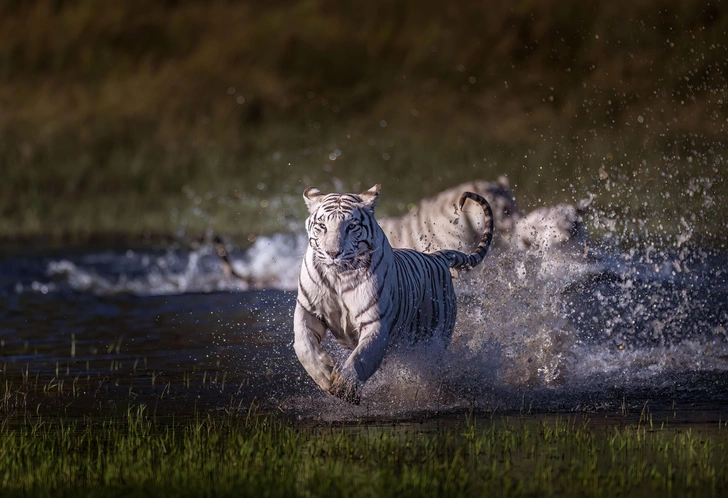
[[87, 332]]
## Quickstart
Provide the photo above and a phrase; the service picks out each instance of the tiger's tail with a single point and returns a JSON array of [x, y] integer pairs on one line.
[[461, 261]]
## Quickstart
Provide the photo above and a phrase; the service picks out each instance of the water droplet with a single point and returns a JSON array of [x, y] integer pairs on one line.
[[383, 123]]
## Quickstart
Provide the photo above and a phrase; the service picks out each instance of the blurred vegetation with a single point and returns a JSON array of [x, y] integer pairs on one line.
[[137, 116]]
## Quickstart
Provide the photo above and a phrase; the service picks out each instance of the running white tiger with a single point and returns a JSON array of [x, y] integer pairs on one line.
[[434, 223], [431, 224], [367, 294]]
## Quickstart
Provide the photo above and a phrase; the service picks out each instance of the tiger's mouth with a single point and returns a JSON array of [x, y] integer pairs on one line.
[[326, 259], [345, 262]]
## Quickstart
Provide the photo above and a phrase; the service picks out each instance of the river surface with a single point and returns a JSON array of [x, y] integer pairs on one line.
[[86, 331]]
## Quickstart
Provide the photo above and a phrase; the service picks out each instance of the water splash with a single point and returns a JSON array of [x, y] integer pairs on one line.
[[520, 343]]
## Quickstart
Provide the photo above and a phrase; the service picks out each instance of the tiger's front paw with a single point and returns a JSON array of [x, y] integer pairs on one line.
[[344, 389]]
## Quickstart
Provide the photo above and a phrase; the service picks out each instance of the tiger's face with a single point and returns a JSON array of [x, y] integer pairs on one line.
[[341, 227]]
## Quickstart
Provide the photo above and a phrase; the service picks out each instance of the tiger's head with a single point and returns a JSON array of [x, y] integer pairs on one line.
[[341, 228]]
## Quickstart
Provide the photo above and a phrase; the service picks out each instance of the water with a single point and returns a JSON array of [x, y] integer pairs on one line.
[[91, 331]]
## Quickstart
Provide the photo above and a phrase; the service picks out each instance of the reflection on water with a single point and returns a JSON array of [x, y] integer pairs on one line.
[[91, 332]]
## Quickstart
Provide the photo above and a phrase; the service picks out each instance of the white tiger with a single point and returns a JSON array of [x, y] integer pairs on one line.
[[434, 223], [368, 295]]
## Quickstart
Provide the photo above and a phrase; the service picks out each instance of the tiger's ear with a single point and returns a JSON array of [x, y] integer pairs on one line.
[[370, 196], [313, 197]]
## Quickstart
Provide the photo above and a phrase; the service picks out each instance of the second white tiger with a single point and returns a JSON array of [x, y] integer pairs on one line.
[[368, 295]]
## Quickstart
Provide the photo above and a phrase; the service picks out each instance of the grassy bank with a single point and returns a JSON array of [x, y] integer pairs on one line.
[[260, 456], [158, 116]]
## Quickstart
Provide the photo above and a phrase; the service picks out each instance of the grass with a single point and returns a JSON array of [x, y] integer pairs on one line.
[[182, 116], [255, 455], [78, 428]]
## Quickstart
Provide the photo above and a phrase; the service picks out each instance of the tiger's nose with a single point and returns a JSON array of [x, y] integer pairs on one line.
[[334, 254]]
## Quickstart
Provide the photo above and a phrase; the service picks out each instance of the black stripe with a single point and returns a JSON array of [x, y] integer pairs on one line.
[[323, 279], [302, 289], [374, 300], [353, 281], [308, 270], [435, 317], [305, 308], [365, 324]]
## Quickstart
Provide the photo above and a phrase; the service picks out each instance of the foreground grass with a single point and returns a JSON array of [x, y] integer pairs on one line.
[[262, 456]]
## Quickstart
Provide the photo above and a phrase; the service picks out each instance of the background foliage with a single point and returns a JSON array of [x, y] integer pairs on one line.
[[136, 116]]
